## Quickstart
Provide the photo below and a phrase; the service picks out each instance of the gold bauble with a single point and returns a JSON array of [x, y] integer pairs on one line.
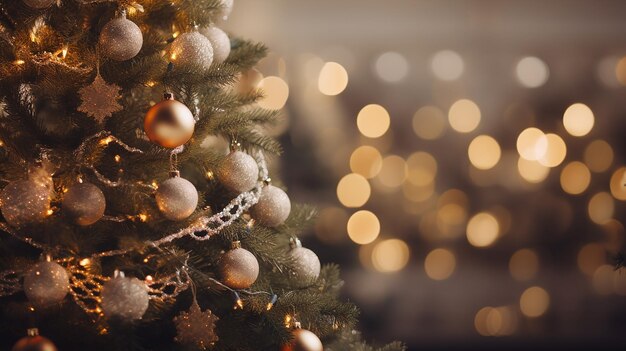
[[177, 198], [24, 202], [273, 207], [169, 123], [34, 342], [84, 203], [46, 283], [303, 340], [239, 268]]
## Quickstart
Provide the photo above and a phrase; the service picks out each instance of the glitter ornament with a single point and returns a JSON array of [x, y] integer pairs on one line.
[[176, 197], [39, 4], [24, 202], [273, 207], [99, 99], [219, 41], [46, 283], [238, 172], [305, 268], [120, 39], [169, 123], [191, 50], [238, 267], [303, 340], [34, 342], [84, 203], [196, 327], [124, 298]]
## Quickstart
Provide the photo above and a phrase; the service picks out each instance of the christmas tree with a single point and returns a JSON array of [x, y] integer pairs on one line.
[[125, 226]]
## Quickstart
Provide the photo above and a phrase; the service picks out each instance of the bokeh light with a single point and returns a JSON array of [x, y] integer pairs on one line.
[[373, 121], [591, 257], [429, 122], [484, 152], [575, 178], [618, 184], [495, 321], [532, 171], [276, 93], [366, 161], [392, 67], [363, 227], [390, 255], [620, 71], [447, 65], [333, 79], [439, 264], [601, 208], [483, 229], [555, 152], [353, 190], [524, 264], [532, 72], [598, 156], [422, 168], [534, 302], [602, 279], [464, 116], [532, 144], [394, 171], [578, 119]]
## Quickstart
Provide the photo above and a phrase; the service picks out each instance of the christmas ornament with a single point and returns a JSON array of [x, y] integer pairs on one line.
[[39, 4], [169, 123], [84, 203], [34, 342], [24, 202], [238, 172], [305, 264], [238, 267], [219, 41], [226, 7], [303, 340], [196, 327], [46, 283], [176, 197], [191, 50], [125, 298], [273, 207], [120, 39], [99, 99]]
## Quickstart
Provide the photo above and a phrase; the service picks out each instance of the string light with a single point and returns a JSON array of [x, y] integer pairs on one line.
[[85, 262], [19, 62], [118, 158], [272, 302], [64, 52]]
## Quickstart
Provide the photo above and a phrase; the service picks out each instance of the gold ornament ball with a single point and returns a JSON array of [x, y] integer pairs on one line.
[[273, 207], [304, 340], [219, 41], [239, 268], [169, 123], [46, 283], [120, 39], [177, 198], [191, 50], [84, 203], [306, 265], [238, 172], [39, 4], [34, 342], [124, 298], [24, 202]]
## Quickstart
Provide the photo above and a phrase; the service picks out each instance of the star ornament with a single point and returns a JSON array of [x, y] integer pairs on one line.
[[196, 327], [99, 99]]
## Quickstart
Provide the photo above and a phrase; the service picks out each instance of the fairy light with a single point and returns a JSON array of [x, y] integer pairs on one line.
[[117, 158], [209, 175], [288, 320], [142, 217], [149, 279], [50, 212], [151, 83], [64, 52], [85, 262], [145, 260], [19, 62], [106, 141], [272, 302], [238, 301]]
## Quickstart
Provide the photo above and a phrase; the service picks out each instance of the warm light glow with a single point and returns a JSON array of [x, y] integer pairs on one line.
[[439, 264], [555, 153], [484, 152], [390, 255], [391, 67], [417, 193], [19, 62], [64, 52], [532, 72], [106, 141], [534, 302], [394, 171], [464, 116], [495, 321], [602, 279], [447, 65], [353, 190], [422, 168], [578, 119], [117, 158], [620, 71], [333, 79], [532, 171], [276, 92], [618, 184], [373, 121], [524, 264], [591, 257], [575, 178], [363, 227], [601, 208], [429, 123], [598, 156], [366, 161], [149, 278], [84, 262], [143, 217], [532, 144], [483, 229]]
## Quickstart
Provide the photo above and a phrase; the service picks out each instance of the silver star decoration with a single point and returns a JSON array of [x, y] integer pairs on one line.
[[99, 99]]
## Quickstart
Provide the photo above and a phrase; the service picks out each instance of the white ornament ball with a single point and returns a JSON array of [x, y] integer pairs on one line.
[[24, 202], [306, 266], [226, 7], [219, 41], [46, 283], [238, 268], [238, 172], [124, 298], [273, 207], [177, 198], [191, 50], [120, 39], [84, 203], [39, 4]]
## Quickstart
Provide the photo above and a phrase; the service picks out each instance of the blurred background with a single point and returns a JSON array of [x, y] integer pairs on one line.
[[467, 160]]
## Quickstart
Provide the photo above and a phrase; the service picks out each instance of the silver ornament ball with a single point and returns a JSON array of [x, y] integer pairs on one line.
[[84, 203], [24, 202], [177, 198], [305, 267], [46, 283], [120, 39], [273, 207], [39, 4], [219, 41], [238, 172], [238, 268], [124, 298], [190, 51]]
